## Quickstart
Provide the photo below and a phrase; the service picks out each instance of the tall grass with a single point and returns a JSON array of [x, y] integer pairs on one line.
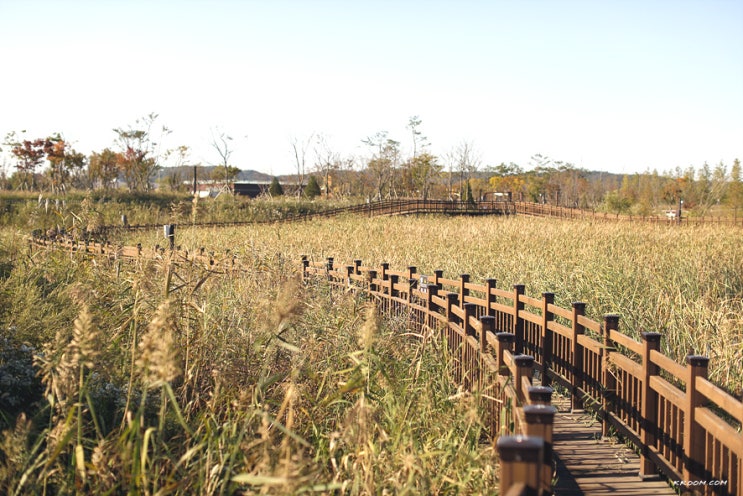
[[168, 379], [686, 283]]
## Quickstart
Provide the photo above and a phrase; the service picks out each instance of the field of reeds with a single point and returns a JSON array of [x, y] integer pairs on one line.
[[157, 378]]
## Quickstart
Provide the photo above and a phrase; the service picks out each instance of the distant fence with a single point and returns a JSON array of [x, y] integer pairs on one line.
[[434, 207], [546, 210]]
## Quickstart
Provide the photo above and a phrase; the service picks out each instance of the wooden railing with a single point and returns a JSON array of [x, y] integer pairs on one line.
[[684, 426], [547, 210], [376, 208]]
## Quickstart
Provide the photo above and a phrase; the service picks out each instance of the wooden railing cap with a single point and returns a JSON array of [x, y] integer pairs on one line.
[[524, 360], [505, 337], [653, 337], [520, 448], [540, 393], [539, 414], [697, 360]]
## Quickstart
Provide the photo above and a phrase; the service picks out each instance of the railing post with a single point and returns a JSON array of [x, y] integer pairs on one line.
[[578, 374], [305, 265], [518, 322], [385, 266], [649, 405], [357, 267], [350, 269], [520, 462], [169, 231], [547, 316], [487, 325], [489, 296], [524, 368], [394, 281], [431, 308], [437, 274], [693, 433], [504, 342], [463, 291], [411, 272], [383, 273], [371, 275], [329, 268], [540, 421], [452, 299], [609, 381], [467, 353]]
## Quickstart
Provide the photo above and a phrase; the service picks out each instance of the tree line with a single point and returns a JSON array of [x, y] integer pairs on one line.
[[388, 169]]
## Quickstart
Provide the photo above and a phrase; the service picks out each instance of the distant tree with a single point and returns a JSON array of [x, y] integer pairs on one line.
[[224, 173], [327, 161], [65, 164], [103, 169], [300, 147], [312, 189], [617, 203], [424, 170], [275, 189], [385, 156], [507, 178], [221, 142], [138, 159], [29, 155], [465, 160], [735, 189]]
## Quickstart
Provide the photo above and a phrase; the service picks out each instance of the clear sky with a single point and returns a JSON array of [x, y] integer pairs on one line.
[[614, 85]]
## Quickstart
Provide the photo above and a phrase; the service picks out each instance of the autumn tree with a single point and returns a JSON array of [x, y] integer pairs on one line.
[[29, 155], [507, 178], [138, 158], [65, 163], [103, 168]]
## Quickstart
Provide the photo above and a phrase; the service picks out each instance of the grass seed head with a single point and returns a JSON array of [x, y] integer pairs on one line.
[[158, 360]]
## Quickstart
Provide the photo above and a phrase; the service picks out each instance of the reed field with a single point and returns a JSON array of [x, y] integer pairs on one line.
[[149, 377], [686, 283]]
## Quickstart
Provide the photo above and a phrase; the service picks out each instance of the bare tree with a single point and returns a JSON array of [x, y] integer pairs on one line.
[[221, 142], [464, 161], [326, 160], [382, 165], [300, 147]]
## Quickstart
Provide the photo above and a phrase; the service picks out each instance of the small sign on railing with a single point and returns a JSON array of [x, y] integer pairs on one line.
[[423, 283]]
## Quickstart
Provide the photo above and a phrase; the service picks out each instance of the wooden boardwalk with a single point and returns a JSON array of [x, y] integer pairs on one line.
[[586, 464]]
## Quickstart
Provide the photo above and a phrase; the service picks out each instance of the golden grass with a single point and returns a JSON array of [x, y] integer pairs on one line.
[[686, 283]]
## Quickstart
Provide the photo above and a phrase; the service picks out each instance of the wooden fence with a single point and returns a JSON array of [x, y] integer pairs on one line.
[[684, 426], [546, 210]]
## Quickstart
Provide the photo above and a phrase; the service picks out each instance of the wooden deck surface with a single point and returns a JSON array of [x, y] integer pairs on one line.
[[586, 464]]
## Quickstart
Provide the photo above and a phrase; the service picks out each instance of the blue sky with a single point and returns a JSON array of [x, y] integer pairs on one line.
[[622, 86]]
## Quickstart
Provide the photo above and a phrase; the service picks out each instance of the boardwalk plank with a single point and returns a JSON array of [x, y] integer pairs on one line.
[[587, 464]]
